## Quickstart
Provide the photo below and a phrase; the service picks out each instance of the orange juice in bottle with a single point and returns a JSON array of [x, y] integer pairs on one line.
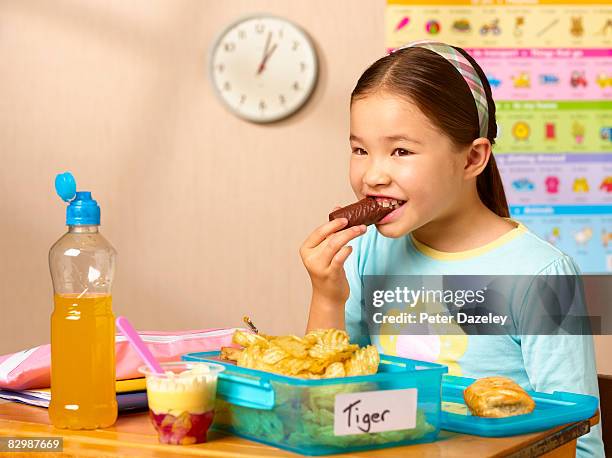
[[82, 265]]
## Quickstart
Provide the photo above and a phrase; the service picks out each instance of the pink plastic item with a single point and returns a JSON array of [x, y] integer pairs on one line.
[[30, 369], [132, 336]]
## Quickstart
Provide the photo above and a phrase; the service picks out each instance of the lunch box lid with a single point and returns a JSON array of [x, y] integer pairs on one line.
[[551, 409]]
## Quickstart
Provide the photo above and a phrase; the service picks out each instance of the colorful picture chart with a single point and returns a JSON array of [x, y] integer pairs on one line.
[[549, 64]]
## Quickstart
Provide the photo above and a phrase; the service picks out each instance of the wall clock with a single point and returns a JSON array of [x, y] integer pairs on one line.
[[264, 68]]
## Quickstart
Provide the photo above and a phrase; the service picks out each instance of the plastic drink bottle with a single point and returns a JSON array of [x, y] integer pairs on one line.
[[82, 264]]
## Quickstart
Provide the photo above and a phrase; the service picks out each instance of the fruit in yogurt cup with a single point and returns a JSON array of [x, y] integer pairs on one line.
[[182, 401]]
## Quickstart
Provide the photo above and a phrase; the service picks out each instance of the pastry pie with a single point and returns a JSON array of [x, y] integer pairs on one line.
[[497, 397]]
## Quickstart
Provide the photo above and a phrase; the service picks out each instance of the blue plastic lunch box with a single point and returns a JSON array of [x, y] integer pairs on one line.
[[298, 414]]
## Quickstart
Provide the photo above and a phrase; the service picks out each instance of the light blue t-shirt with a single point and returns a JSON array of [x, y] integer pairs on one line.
[[544, 363]]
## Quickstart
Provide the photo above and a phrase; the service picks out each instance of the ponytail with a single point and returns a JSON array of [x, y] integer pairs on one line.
[[489, 183], [491, 189]]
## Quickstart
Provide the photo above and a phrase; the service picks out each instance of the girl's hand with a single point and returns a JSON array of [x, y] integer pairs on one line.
[[323, 254]]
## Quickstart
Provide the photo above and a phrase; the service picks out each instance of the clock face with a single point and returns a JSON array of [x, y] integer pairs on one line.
[[264, 68]]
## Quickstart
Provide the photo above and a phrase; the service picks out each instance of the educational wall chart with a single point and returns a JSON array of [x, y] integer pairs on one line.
[[549, 64]]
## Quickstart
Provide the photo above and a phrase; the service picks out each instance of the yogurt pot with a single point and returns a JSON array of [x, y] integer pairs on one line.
[[182, 400]]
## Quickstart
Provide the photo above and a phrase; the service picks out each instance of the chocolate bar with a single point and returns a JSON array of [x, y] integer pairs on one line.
[[366, 211]]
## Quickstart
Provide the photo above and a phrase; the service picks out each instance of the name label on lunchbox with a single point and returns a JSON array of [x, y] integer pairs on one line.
[[375, 411]]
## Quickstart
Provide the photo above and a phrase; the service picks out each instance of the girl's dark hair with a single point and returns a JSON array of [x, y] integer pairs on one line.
[[442, 94]]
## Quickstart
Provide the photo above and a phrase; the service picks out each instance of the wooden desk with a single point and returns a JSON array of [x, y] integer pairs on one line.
[[133, 435]]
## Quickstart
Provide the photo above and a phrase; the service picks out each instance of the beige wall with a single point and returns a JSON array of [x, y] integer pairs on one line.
[[206, 211]]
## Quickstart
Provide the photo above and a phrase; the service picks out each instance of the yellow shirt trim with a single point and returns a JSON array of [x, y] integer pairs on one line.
[[459, 255]]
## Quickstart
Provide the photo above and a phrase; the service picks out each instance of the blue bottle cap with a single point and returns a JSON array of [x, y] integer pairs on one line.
[[65, 186], [83, 210]]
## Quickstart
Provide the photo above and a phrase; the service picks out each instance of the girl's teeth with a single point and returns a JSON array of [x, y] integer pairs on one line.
[[389, 203]]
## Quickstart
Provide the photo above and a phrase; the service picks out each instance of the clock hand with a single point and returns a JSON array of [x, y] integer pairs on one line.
[[265, 52], [262, 66], [267, 43]]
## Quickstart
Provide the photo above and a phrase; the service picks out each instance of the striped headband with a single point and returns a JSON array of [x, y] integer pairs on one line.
[[467, 72]]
